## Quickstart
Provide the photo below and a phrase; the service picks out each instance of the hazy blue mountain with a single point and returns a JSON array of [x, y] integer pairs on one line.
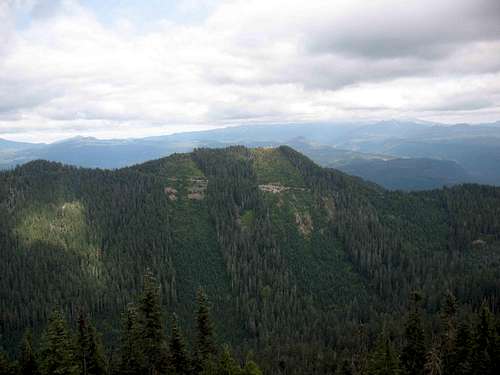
[[388, 171], [92, 152], [11, 153], [460, 152], [479, 156], [12, 145], [408, 174]]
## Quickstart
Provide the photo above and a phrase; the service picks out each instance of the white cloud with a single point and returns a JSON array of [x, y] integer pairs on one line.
[[258, 61]]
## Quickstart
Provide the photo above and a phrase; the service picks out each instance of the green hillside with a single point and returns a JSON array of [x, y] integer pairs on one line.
[[302, 264]]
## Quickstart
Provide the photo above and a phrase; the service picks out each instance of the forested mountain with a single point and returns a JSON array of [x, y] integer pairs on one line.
[[308, 268]]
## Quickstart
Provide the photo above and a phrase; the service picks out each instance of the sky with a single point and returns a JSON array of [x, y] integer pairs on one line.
[[134, 68]]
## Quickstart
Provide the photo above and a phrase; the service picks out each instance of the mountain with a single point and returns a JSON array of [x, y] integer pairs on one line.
[[10, 152], [6, 145], [92, 152], [409, 173], [388, 171], [461, 153], [303, 264], [476, 148], [480, 156]]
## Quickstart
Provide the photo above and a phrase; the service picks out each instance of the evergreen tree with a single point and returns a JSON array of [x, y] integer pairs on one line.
[[205, 342], [57, 351], [450, 307], [413, 354], [227, 365], [179, 360], [449, 336], [27, 360], [485, 360], [153, 342], [463, 350], [383, 360], [433, 363], [90, 350], [131, 356]]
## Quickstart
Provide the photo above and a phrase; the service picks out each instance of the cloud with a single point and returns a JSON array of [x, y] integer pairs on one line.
[[6, 26], [328, 44], [420, 29], [64, 70], [45, 8]]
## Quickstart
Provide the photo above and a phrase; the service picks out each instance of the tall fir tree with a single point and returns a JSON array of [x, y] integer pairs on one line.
[[90, 350], [448, 348], [205, 341], [153, 341], [485, 353], [384, 359], [227, 364], [57, 350], [27, 360], [433, 365], [179, 361], [413, 354], [463, 348], [131, 356]]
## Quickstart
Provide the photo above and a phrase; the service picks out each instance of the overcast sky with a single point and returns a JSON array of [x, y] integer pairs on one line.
[[132, 68]]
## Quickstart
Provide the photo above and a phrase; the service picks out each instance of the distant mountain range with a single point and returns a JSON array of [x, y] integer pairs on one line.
[[407, 155]]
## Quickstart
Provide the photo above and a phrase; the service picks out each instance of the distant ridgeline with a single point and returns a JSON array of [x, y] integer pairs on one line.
[[309, 270]]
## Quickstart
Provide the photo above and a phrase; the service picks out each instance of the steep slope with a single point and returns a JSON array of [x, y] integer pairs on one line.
[[294, 257]]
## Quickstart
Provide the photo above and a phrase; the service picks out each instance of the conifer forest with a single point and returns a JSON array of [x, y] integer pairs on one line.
[[244, 261]]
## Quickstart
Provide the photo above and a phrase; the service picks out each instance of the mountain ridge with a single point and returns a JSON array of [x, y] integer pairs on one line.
[[350, 147]]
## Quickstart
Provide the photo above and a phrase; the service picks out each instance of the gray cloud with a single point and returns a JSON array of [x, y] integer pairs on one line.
[[336, 44], [254, 62], [19, 95], [6, 26], [424, 30]]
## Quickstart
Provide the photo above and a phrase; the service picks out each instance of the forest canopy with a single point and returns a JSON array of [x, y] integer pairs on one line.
[[308, 269]]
